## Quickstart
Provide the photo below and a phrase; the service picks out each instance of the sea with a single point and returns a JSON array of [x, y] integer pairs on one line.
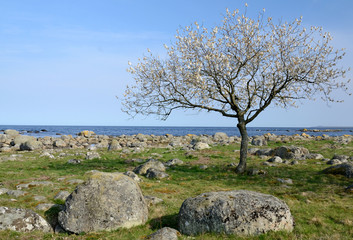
[[56, 131]]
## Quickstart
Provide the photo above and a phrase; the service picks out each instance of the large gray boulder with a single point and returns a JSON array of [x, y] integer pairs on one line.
[[220, 136], [234, 212], [31, 145], [345, 169], [291, 152], [22, 220], [20, 139], [152, 163], [106, 201], [114, 145], [11, 133]]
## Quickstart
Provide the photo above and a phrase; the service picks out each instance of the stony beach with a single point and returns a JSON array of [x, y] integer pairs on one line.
[[52, 186]]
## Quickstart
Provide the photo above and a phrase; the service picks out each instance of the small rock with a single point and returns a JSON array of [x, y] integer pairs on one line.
[[62, 195], [133, 176], [203, 167], [92, 155], [201, 146], [34, 184], [275, 159], [74, 161], [285, 181], [173, 162], [16, 193], [75, 181], [151, 200], [254, 171], [3, 190], [39, 198], [294, 162], [44, 206], [165, 233], [333, 162], [152, 163], [155, 173]]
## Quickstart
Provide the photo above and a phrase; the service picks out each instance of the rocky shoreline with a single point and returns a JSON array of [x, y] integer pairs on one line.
[[12, 141]]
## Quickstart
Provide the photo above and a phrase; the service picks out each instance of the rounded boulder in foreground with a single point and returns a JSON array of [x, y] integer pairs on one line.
[[106, 201], [234, 212]]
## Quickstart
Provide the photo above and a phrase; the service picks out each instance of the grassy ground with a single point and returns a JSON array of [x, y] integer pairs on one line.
[[318, 202]]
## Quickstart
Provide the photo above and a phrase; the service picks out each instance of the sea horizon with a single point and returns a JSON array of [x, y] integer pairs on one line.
[[57, 130]]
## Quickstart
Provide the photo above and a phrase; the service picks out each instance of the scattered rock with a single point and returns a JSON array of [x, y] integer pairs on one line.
[[39, 198], [74, 161], [31, 145], [86, 133], [275, 159], [152, 163], [62, 195], [259, 141], [44, 206], [22, 220], [16, 193], [345, 169], [114, 145], [173, 162], [3, 190], [75, 181], [285, 181], [133, 176], [11, 133], [220, 136], [165, 233], [291, 152], [107, 201], [154, 173], [234, 212], [201, 146], [92, 155], [151, 200], [34, 184], [203, 167], [254, 171], [333, 162], [59, 143]]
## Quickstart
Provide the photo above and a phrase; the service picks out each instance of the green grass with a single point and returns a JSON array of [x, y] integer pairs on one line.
[[318, 202]]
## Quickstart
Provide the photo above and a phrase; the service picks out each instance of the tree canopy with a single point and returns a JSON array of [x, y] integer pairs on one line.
[[237, 69]]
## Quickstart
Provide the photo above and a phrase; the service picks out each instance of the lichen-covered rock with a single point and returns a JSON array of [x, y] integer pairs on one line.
[[173, 162], [152, 163], [31, 145], [291, 152], [11, 133], [114, 145], [106, 201], [154, 173], [220, 136], [165, 233], [201, 146], [234, 212], [22, 220], [345, 169], [92, 155]]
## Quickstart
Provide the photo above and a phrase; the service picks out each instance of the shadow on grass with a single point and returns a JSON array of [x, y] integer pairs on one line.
[[164, 221]]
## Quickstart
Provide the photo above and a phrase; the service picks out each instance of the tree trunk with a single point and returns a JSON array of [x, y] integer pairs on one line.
[[241, 168]]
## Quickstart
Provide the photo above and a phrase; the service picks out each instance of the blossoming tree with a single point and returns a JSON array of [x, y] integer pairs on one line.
[[237, 69]]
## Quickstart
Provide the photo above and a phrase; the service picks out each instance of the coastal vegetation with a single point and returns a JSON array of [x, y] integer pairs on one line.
[[321, 204]]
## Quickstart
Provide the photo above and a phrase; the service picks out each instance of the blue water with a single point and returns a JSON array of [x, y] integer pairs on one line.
[[42, 131]]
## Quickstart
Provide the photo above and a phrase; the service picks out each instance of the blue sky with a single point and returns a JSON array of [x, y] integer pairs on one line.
[[64, 62]]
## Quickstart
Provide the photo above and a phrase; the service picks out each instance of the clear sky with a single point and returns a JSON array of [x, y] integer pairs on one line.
[[63, 62]]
